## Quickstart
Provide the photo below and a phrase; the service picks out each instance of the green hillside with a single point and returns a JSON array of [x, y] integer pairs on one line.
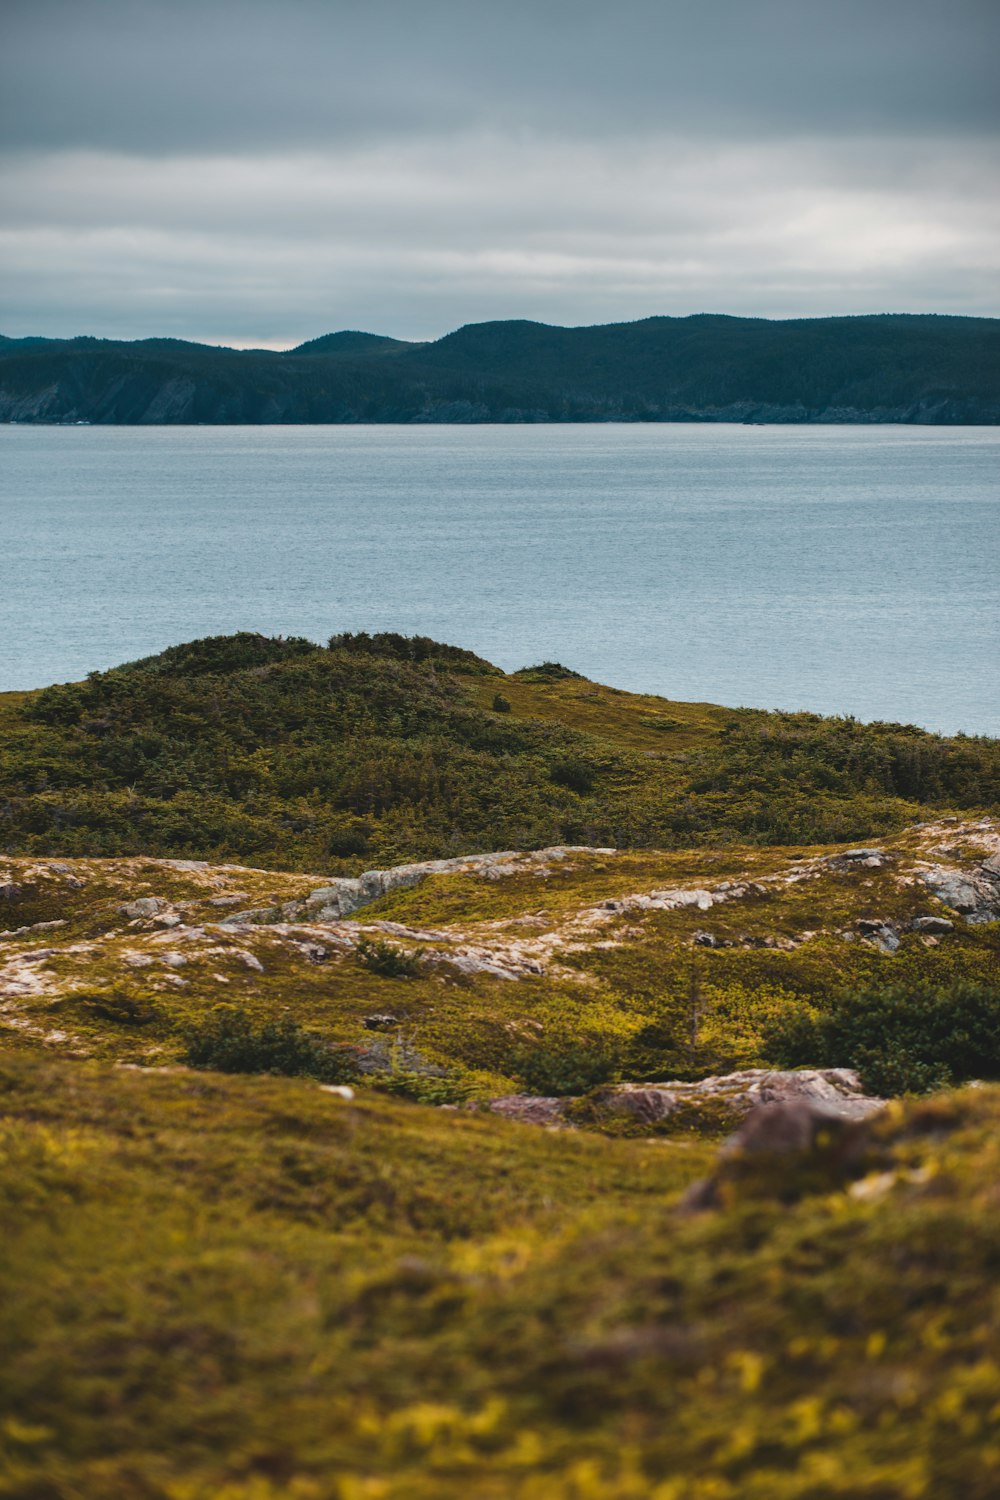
[[379, 750], [888, 368]]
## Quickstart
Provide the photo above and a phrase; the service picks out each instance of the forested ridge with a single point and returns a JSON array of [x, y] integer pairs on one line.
[[709, 367]]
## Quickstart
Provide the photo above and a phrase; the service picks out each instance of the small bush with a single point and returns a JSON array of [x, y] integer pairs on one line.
[[547, 671], [901, 1040], [574, 774], [385, 959], [566, 1068], [230, 1042], [423, 1088], [500, 705], [348, 839], [412, 648]]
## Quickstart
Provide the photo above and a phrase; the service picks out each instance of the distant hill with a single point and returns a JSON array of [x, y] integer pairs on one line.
[[350, 341], [706, 368]]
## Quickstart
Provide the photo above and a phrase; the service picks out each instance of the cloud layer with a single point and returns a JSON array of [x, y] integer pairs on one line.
[[257, 173]]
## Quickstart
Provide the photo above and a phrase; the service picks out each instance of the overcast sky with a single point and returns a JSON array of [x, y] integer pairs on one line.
[[257, 172]]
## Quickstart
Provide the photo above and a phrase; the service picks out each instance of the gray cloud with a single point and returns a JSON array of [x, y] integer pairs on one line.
[[186, 75], [256, 171]]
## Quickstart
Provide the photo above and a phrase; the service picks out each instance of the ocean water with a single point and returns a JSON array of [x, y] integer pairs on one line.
[[846, 570]]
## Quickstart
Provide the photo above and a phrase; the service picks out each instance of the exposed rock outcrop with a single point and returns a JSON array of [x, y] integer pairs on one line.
[[834, 1092], [348, 894], [974, 894]]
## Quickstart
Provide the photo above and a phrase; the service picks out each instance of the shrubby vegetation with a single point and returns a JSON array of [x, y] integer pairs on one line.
[[381, 748], [901, 1038], [230, 1041], [386, 959]]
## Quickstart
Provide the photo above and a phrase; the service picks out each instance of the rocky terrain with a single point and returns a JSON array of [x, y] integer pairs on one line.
[[465, 965]]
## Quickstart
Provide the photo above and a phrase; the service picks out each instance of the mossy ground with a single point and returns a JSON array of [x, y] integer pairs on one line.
[[253, 1289]]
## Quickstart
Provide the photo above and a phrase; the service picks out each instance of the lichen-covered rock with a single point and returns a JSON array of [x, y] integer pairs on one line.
[[838, 1089], [647, 1104], [340, 897], [882, 933], [835, 1090], [934, 925], [142, 908], [975, 894]]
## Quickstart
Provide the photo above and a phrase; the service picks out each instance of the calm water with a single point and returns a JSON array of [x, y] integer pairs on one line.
[[847, 570]]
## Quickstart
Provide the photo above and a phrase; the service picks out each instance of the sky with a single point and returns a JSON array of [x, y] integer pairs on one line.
[[259, 172]]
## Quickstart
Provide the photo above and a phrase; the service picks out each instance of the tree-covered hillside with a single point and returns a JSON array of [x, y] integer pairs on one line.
[[894, 367]]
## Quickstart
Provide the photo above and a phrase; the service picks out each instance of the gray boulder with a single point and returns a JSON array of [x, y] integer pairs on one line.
[[792, 1125], [933, 925], [142, 908], [880, 932], [835, 1090], [648, 1105], [975, 894], [529, 1109]]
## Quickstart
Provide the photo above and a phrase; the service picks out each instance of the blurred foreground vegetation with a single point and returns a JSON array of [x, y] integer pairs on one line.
[[248, 1289]]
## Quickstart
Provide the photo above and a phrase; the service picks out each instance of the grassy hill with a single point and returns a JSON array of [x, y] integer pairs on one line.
[[893, 367], [381, 749], [248, 1255]]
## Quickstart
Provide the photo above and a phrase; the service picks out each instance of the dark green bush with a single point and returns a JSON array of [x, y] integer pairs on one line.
[[574, 774], [546, 671], [900, 1039], [563, 1068], [229, 1041], [500, 704], [384, 958], [412, 648], [348, 839]]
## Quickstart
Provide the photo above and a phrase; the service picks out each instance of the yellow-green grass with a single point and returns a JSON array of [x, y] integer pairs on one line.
[[636, 721], [252, 1289]]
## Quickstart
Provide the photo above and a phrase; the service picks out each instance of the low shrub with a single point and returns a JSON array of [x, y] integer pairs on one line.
[[547, 671], [574, 774], [563, 1068], [386, 959], [423, 1088], [229, 1041], [901, 1040]]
